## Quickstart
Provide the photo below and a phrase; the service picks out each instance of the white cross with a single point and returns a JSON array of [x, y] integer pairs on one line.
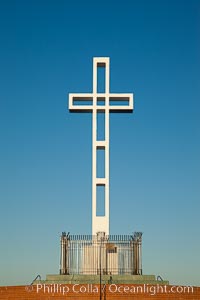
[[100, 223]]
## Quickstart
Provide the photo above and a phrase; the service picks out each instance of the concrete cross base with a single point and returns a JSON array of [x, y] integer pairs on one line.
[[106, 279]]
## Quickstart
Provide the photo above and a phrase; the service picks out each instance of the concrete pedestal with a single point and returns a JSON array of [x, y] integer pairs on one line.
[[106, 279]]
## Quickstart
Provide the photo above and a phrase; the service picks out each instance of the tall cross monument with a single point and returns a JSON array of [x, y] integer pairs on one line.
[[100, 102]]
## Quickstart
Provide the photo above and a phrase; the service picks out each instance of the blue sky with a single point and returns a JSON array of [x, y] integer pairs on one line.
[[46, 52]]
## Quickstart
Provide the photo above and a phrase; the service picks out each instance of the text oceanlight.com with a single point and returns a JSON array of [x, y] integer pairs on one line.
[[110, 288]]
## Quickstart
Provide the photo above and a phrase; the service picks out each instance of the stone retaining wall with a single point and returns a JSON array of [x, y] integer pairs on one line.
[[92, 292]]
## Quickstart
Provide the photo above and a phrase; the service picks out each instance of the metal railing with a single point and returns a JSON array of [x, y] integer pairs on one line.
[[100, 254], [37, 277]]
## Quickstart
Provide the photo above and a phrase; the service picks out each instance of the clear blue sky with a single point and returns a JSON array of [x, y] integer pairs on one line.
[[46, 50]]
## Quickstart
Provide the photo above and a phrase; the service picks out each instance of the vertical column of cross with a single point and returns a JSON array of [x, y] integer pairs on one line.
[[107, 141], [100, 223], [94, 150]]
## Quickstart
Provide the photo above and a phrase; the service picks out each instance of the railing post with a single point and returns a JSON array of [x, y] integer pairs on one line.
[[132, 255], [63, 254], [137, 253], [100, 240]]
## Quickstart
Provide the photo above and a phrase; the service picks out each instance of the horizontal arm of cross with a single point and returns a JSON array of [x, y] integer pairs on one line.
[[88, 102]]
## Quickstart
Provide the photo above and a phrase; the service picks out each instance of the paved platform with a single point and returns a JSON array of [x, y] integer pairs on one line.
[[106, 279]]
